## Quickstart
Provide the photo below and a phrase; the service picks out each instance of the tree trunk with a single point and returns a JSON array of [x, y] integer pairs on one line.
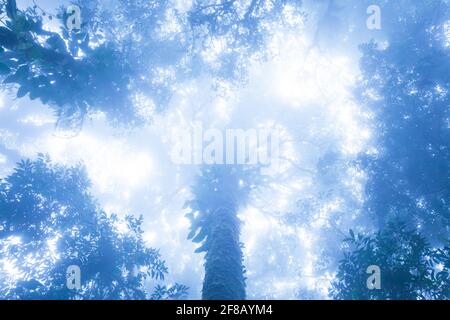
[[224, 270]]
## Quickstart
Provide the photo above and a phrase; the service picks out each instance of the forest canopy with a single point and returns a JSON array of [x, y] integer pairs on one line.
[[346, 101]]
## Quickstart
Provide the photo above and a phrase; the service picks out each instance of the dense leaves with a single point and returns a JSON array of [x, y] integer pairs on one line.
[[143, 48], [133, 47], [71, 71], [405, 84], [407, 87], [149, 49], [410, 268], [49, 221]]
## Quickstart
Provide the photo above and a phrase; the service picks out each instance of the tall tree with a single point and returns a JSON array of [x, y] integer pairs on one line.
[[406, 87], [215, 223], [218, 194], [101, 67], [221, 190], [74, 72]]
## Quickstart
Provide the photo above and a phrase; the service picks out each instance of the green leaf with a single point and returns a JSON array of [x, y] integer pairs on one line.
[[4, 69], [34, 94], [20, 74], [202, 248], [10, 79], [7, 37], [352, 234], [11, 9], [23, 90], [23, 71]]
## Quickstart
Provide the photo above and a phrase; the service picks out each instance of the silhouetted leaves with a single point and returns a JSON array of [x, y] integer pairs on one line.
[[410, 268], [49, 221], [409, 177]]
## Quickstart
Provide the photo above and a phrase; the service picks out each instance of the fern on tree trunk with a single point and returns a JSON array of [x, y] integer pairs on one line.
[[224, 270], [218, 193]]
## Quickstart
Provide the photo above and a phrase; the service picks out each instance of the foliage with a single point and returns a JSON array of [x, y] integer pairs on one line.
[[175, 292], [128, 49], [49, 221], [72, 71], [133, 47], [405, 85], [145, 48], [410, 268], [241, 27]]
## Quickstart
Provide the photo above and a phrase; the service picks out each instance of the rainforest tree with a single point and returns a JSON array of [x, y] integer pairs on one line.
[[405, 85], [218, 193]]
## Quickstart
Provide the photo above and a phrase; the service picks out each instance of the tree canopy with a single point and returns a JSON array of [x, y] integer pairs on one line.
[[49, 221], [363, 147], [411, 268]]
